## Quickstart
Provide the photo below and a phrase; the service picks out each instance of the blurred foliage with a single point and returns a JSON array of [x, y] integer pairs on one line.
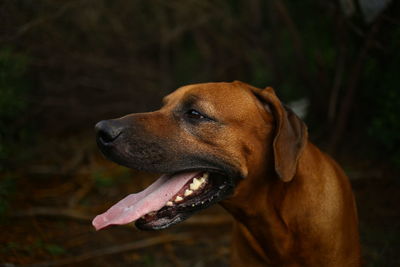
[[54, 249], [385, 123], [35, 248], [14, 89], [382, 89], [7, 189], [104, 178]]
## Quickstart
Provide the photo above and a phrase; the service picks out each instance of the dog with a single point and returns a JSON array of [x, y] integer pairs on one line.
[[239, 146]]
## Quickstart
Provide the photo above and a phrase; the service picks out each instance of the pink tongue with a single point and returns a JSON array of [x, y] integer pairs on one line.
[[136, 205]]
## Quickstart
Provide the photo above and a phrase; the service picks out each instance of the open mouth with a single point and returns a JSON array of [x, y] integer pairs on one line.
[[169, 200]]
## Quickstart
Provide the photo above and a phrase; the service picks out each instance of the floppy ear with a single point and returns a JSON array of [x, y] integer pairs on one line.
[[290, 134]]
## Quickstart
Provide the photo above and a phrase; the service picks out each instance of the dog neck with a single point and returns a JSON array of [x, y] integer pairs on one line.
[[257, 215]]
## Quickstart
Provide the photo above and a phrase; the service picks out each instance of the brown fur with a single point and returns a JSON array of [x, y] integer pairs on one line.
[[294, 206]]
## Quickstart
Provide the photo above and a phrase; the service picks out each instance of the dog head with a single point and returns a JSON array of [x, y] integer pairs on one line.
[[206, 138]]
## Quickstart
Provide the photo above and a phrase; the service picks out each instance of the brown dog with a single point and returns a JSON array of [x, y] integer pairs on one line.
[[237, 145]]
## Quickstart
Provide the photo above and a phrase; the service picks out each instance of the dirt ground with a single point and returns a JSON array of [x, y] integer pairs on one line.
[[52, 200]]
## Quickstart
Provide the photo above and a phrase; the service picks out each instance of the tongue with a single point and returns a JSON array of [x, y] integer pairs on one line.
[[151, 199]]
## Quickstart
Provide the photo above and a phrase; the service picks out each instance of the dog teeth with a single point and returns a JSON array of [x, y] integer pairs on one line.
[[178, 199], [195, 185], [198, 182], [188, 192]]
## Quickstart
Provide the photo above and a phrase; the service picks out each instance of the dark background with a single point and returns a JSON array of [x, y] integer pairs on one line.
[[64, 65]]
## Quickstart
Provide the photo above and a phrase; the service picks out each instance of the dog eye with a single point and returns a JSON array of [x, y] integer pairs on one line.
[[194, 114]]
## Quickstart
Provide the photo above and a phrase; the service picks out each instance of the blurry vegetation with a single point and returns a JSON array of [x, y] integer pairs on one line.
[[381, 92], [385, 123], [37, 247], [104, 178], [7, 189], [14, 90], [14, 130]]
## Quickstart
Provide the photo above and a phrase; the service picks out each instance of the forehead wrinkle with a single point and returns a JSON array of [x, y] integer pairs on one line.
[[191, 98], [205, 104], [177, 95]]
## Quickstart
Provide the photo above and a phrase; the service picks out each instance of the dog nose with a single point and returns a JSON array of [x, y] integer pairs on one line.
[[108, 130]]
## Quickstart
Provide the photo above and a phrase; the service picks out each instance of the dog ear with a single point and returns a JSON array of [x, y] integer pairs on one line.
[[290, 134]]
